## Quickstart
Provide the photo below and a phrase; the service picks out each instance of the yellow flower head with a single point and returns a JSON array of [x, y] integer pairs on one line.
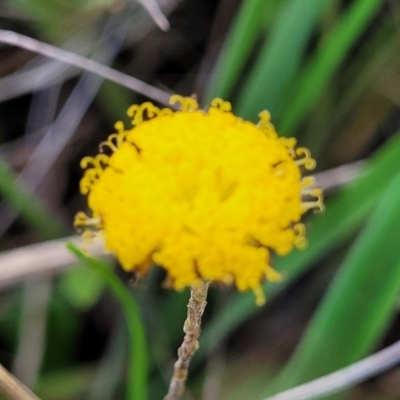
[[203, 194]]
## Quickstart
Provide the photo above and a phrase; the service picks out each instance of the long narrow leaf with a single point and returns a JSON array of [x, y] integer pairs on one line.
[[322, 67], [138, 372], [360, 301], [279, 58], [237, 49]]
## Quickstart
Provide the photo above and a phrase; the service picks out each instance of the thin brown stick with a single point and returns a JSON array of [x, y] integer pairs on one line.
[[40, 259], [344, 378], [192, 327], [155, 12], [12, 388], [68, 57]]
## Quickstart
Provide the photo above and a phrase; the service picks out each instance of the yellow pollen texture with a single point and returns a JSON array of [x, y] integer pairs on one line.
[[203, 194]]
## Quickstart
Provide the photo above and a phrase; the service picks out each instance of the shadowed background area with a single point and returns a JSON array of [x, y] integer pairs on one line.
[[329, 73]]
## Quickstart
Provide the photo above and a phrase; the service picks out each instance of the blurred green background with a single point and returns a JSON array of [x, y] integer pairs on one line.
[[329, 72]]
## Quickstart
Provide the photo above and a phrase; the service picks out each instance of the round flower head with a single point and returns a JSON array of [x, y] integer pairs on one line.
[[201, 193]]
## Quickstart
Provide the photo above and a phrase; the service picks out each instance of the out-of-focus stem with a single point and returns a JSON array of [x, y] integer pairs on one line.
[[12, 388], [192, 327]]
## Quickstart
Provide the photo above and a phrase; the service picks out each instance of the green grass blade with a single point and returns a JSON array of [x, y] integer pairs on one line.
[[31, 209], [81, 286], [377, 56], [360, 302], [138, 358], [279, 58], [321, 68], [343, 216], [238, 46]]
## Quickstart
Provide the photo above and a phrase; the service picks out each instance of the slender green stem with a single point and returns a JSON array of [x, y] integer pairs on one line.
[[138, 359]]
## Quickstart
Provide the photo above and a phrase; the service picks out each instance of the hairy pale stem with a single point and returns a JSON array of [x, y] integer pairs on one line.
[[192, 327]]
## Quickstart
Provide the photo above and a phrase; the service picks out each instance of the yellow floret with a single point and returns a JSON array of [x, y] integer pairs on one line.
[[204, 194]]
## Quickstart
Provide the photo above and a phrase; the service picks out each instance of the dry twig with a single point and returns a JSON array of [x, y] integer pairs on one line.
[[344, 378], [12, 388], [41, 259], [25, 42], [154, 10]]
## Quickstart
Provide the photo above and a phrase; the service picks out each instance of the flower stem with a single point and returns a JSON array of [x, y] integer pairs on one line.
[[192, 327]]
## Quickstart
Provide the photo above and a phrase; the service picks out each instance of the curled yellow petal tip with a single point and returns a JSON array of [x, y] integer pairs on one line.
[[202, 193]]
